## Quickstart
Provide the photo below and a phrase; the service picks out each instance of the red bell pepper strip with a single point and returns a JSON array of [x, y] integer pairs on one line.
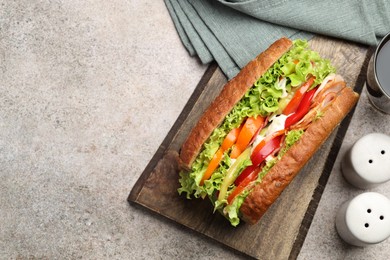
[[259, 156], [245, 173], [265, 140], [247, 132], [261, 152], [292, 106], [254, 171], [251, 172], [302, 110]]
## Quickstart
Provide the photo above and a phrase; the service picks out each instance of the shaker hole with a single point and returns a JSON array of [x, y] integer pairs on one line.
[[366, 225], [368, 210], [383, 152], [370, 161], [381, 217]]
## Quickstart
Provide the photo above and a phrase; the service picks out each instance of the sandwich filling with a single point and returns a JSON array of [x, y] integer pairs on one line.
[[261, 127]]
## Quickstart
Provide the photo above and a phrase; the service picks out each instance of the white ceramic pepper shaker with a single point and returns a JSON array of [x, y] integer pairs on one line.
[[367, 163], [364, 220]]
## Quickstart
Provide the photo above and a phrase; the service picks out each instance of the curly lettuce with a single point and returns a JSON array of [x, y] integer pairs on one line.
[[264, 98], [232, 211]]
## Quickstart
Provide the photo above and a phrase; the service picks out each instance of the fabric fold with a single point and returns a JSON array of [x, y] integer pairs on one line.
[[233, 32], [212, 43], [360, 21], [179, 28], [191, 39], [242, 36]]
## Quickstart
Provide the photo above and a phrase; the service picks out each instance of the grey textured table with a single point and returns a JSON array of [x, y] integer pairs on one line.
[[88, 91], [322, 240]]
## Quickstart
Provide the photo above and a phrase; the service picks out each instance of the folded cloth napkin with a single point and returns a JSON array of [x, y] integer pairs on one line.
[[234, 32]]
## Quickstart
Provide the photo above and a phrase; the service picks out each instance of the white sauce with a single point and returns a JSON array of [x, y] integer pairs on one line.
[[277, 124]]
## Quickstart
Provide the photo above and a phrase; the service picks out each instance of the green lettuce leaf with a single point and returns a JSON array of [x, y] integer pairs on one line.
[[232, 211], [262, 99], [291, 138]]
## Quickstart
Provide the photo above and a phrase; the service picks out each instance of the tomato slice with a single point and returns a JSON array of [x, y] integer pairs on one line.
[[292, 106], [250, 128]]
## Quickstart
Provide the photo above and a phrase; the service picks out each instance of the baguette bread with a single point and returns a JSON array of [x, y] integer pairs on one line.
[[232, 92], [272, 184], [276, 180]]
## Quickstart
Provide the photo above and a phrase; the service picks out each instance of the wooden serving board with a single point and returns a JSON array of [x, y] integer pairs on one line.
[[282, 230]]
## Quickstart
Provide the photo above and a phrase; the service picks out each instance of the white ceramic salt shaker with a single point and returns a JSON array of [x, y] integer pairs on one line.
[[367, 163], [364, 220]]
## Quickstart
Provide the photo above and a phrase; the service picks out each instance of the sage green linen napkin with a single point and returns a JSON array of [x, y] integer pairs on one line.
[[220, 33], [362, 21], [212, 43], [234, 32], [180, 28], [242, 37]]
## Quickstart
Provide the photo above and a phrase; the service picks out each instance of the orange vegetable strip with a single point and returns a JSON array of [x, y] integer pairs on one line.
[[249, 129], [212, 165], [230, 139], [228, 142]]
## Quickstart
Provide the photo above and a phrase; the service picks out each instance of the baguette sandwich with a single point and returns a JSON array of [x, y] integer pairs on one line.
[[262, 128]]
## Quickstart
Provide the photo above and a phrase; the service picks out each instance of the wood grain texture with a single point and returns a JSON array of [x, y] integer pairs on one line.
[[281, 231]]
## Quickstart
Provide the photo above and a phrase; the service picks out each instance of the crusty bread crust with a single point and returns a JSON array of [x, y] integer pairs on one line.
[[282, 173], [231, 93]]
